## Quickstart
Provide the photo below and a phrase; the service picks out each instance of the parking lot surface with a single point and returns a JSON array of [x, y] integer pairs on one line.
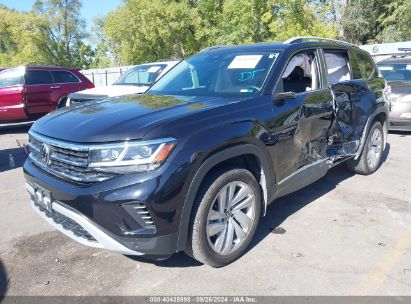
[[343, 235]]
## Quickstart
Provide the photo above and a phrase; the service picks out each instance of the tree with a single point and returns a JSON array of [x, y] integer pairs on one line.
[[145, 30], [61, 33], [396, 20]]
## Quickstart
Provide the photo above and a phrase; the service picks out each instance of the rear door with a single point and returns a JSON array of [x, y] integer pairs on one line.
[[355, 98], [11, 95], [40, 93]]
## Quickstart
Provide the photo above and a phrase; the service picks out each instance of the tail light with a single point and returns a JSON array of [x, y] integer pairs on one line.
[[90, 85]]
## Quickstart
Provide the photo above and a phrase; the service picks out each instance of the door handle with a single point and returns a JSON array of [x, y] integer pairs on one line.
[[55, 87]]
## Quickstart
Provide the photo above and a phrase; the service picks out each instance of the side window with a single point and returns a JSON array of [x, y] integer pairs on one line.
[[338, 66], [355, 66], [64, 77], [37, 77], [12, 77], [301, 73], [367, 66]]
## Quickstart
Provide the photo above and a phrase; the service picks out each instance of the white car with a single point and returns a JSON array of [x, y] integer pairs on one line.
[[135, 81]]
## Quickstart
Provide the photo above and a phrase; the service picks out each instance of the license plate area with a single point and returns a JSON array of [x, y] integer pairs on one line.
[[42, 197]]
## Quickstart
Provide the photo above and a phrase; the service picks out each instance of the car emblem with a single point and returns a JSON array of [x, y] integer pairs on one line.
[[45, 154]]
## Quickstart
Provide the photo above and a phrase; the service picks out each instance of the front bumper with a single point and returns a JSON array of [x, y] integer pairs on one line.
[[98, 215]]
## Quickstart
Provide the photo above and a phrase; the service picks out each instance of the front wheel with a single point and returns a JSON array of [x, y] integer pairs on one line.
[[224, 218], [370, 158]]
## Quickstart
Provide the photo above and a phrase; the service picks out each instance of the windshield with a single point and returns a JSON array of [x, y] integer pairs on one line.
[[217, 73], [141, 75], [11, 77], [396, 72]]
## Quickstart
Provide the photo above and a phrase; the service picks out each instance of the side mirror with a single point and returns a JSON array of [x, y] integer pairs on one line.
[[280, 97]]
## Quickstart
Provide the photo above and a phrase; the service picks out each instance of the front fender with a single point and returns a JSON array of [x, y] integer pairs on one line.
[[213, 147]]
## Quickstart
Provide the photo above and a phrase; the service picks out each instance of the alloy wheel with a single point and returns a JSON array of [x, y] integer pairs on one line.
[[230, 217]]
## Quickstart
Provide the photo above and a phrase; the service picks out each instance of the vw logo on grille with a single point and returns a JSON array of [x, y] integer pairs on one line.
[[45, 154]]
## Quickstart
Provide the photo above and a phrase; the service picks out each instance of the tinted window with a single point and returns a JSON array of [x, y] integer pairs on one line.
[[395, 71], [367, 66], [12, 77], [218, 73], [33, 77], [64, 77], [141, 75], [355, 67]]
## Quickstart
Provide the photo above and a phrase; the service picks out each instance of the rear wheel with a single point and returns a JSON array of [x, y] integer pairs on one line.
[[370, 158], [224, 218]]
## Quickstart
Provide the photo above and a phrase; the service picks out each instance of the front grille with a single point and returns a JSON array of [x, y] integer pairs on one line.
[[64, 160], [67, 224]]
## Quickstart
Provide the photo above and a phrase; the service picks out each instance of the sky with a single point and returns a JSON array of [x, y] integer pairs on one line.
[[89, 10]]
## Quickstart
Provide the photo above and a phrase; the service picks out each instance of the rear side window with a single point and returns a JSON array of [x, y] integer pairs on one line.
[[367, 66], [355, 66], [64, 77], [12, 77], [37, 77]]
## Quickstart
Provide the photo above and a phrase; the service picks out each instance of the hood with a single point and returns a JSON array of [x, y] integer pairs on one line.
[[108, 91], [400, 91], [123, 118]]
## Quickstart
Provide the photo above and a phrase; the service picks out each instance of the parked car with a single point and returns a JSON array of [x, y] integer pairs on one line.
[[397, 72], [194, 163], [135, 81], [27, 93]]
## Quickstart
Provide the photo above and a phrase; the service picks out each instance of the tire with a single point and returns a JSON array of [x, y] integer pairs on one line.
[[238, 225], [62, 103], [370, 158]]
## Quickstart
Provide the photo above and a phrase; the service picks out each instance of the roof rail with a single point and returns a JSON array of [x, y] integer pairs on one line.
[[298, 39]]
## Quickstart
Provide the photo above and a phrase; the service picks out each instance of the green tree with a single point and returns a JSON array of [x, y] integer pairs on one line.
[[396, 20], [61, 33], [145, 30]]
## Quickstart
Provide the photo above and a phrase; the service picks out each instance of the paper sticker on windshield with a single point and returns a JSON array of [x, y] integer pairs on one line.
[[245, 62], [153, 69]]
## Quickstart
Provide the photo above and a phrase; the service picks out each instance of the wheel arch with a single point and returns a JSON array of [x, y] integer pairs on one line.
[[381, 115], [246, 153]]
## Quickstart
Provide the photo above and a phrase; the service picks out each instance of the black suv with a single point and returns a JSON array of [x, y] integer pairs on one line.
[[193, 164]]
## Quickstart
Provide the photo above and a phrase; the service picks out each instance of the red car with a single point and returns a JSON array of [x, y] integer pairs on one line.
[[27, 93]]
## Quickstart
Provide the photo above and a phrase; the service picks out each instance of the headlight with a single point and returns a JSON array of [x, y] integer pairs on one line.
[[131, 156]]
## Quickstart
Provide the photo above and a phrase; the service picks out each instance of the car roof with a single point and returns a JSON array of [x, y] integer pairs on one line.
[[397, 59]]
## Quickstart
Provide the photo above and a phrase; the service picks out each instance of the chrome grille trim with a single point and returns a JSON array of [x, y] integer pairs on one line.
[[68, 161]]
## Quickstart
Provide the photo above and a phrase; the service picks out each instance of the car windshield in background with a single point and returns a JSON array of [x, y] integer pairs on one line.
[[141, 75], [11, 77], [396, 72], [218, 73]]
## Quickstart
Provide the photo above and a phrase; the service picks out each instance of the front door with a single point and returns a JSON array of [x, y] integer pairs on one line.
[[305, 119]]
